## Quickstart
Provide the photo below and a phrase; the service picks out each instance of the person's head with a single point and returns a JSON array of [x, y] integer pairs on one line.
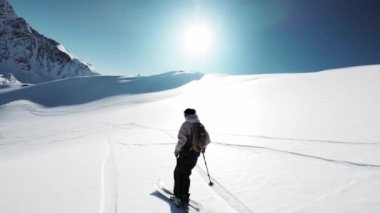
[[189, 111]]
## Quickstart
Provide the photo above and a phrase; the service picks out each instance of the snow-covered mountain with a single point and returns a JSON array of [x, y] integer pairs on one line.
[[32, 57]]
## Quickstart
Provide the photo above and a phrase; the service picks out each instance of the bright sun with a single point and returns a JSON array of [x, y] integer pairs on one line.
[[198, 39]]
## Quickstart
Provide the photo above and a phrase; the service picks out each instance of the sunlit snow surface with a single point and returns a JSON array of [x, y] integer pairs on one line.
[[280, 143]]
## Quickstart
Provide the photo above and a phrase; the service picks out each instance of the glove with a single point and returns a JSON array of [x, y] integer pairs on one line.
[[203, 150], [176, 153]]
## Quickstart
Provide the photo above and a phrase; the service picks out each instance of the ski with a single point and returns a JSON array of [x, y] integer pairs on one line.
[[160, 186]]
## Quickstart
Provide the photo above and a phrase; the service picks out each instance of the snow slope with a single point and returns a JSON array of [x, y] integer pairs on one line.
[[280, 143]]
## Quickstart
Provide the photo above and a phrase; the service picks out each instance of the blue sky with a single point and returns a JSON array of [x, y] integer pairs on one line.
[[249, 36]]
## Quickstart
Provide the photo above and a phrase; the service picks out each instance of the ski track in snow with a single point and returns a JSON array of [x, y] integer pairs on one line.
[[167, 132], [107, 203], [134, 125], [102, 207], [300, 139], [227, 196], [221, 191], [342, 162], [31, 140], [40, 112], [346, 163], [146, 144], [231, 200]]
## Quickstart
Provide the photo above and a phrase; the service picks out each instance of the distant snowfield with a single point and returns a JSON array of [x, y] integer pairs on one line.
[[280, 143]]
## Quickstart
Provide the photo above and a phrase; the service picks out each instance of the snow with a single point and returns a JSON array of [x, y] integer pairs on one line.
[[280, 143], [63, 49], [8, 82]]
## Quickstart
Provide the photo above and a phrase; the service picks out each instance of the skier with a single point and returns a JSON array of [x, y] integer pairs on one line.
[[192, 140]]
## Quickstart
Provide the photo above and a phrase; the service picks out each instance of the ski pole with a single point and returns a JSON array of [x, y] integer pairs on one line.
[[208, 174]]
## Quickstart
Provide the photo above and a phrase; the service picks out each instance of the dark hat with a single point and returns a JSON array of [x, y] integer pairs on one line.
[[190, 111]]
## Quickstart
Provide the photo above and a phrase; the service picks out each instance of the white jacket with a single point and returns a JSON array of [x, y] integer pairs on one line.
[[185, 131]]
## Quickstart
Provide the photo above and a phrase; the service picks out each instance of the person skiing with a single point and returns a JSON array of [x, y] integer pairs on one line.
[[192, 140]]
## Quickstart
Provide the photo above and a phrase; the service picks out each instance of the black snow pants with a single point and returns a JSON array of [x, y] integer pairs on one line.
[[185, 163]]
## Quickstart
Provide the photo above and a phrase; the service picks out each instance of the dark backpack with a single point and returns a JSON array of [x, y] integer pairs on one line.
[[199, 137]]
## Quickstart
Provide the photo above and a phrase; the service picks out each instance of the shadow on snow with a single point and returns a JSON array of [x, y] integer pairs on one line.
[[87, 89], [173, 207]]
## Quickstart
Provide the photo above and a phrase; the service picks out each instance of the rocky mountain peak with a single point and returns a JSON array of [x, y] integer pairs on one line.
[[6, 10], [30, 56]]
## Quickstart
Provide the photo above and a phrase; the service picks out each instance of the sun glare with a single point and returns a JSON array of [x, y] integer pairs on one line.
[[198, 39]]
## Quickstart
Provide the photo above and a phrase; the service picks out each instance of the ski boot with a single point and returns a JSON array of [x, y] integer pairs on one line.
[[175, 200], [185, 199]]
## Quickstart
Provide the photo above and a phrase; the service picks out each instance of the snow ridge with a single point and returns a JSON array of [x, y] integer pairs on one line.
[[71, 92]]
